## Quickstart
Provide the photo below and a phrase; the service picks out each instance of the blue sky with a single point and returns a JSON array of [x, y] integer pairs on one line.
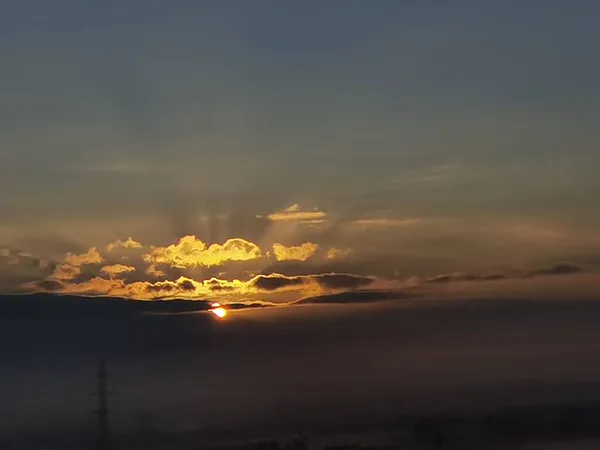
[[476, 120]]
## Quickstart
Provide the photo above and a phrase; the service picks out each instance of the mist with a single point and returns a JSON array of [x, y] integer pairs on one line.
[[292, 367]]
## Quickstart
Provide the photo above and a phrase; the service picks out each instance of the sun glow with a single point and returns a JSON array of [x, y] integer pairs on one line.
[[218, 310]]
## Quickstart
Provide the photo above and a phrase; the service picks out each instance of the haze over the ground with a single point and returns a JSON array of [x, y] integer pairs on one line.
[[297, 366]]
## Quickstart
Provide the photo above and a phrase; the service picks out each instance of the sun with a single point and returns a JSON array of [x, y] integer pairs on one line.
[[218, 310]]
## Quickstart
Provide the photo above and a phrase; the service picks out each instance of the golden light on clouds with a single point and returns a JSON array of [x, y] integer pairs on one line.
[[182, 270], [70, 267], [192, 270], [126, 244], [192, 252], [116, 269], [293, 208], [294, 253], [92, 256], [66, 272], [337, 253], [295, 214], [154, 272]]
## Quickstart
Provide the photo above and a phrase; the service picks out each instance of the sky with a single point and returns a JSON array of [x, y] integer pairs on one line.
[[322, 169], [396, 140]]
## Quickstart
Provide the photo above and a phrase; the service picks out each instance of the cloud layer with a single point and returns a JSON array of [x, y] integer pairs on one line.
[[304, 255]]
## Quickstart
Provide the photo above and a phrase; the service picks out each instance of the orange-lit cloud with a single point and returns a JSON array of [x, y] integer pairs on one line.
[[92, 256], [65, 272], [337, 253], [294, 253], [154, 272], [294, 213], [192, 252], [127, 244], [70, 267], [189, 288], [116, 269]]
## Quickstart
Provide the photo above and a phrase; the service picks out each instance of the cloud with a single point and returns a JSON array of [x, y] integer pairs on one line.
[[354, 297], [328, 281], [293, 208], [66, 272], [295, 214], [116, 269], [18, 267], [276, 282], [92, 256], [237, 270], [70, 267], [129, 243], [559, 269], [337, 253], [181, 285], [428, 176], [384, 222], [453, 277], [252, 305], [192, 252], [342, 281], [154, 272], [51, 285], [294, 253]]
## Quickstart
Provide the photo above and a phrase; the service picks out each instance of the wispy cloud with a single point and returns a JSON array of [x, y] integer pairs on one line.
[[386, 222], [431, 176], [294, 213], [337, 253]]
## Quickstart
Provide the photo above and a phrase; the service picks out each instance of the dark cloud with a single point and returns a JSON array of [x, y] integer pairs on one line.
[[221, 288], [161, 286], [18, 268], [494, 276], [170, 286], [354, 297], [383, 266], [447, 278], [253, 305], [330, 281], [440, 279], [186, 285], [559, 269], [342, 281], [275, 282], [51, 285], [66, 305]]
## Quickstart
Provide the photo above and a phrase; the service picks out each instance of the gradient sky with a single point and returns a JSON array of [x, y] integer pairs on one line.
[[416, 139]]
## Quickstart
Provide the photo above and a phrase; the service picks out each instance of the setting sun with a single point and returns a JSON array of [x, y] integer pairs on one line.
[[218, 310]]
